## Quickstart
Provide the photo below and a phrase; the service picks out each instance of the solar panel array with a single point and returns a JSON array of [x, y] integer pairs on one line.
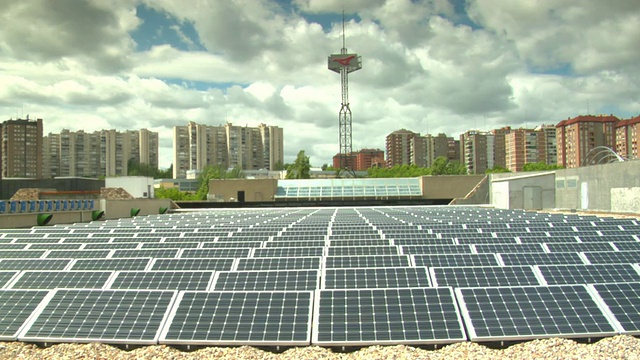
[[326, 276]]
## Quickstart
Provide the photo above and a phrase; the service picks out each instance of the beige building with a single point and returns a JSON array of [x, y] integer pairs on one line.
[[21, 151], [250, 148], [405, 147], [97, 154]]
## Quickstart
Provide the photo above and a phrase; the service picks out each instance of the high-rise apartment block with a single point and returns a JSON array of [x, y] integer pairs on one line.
[[249, 148], [405, 147], [576, 137], [21, 151], [362, 160], [627, 138], [441, 146], [97, 154], [524, 146]]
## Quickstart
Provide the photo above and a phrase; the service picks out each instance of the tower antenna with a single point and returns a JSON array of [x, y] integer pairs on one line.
[[343, 64]]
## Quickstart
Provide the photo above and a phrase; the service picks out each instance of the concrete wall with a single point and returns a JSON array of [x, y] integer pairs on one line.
[[477, 196], [448, 186], [611, 187], [529, 191], [117, 209], [254, 189]]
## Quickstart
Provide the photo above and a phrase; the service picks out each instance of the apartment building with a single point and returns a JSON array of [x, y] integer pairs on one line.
[[97, 154], [577, 137], [249, 148], [21, 150], [441, 145], [405, 147], [627, 138], [362, 160], [524, 146]]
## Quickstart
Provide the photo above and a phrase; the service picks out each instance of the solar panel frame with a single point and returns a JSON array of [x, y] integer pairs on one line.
[[234, 326], [370, 318], [188, 280], [621, 301], [588, 273], [449, 260], [494, 319], [516, 259], [17, 307], [92, 313], [375, 278], [279, 263], [266, 280], [212, 264], [472, 276], [49, 280]]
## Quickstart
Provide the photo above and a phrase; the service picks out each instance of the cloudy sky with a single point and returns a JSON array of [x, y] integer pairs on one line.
[[430, 66]]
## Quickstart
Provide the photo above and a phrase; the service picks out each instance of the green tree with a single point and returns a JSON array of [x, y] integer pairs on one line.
[[540, 166], [209, 172], [497, 169], [300, 169]]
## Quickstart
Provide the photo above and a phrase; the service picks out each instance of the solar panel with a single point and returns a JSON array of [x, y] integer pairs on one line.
[[435, 249], [272, 280], [213, 264], [442, 260], [21, 254], [606, 257], [622, 300], [514, 259], [528, 312], [289, 252], [140, 253], [626, 245], [114, 316], [368, 261], [111, 264], [372, 278], [588, 274], [162, 280], [168, 245], [580, 247], [295, 263], [6, 276], [110, 246], [48, 280], [16, 306], [295, 243], [386, 316], [509, 248], [215, 253], [34, 264], [231, 244], [77, 254], [247, 318], [472, 276], [362, 250]]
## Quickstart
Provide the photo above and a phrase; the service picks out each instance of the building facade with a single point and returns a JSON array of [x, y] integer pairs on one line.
[[524, 146], [249, 148], [362, 160], [97, 154], [577, 137], [627, 138], [404, 148], [21, 150]]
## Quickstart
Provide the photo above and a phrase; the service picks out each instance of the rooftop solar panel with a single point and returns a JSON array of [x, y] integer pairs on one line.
[[162, 280], [626, 245], [589, 274], [77, 254], [608, 257], [580, 247], [386, 316], [368, 261], [271, 280], [375, 278], [111, 264], [435, 249], [622, 300], [473, 276], [34, 264], [21, 254], [362, 250], [289, 252], [213, 264], [115, 316], [528, 312], [139, 253], [293, 263], [511, 259], [48, 280], [17, 246], [214, 253], [448, 260], [509, 248], [16, 306], [247, 318]]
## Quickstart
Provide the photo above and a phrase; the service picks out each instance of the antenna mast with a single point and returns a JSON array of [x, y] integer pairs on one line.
[[344, 63]]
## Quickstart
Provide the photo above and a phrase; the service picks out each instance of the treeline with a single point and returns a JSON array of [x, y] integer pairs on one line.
[[208, 173], [441, 166]]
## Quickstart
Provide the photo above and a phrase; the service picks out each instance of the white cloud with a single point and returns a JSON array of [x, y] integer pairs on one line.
[[520, 63]]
